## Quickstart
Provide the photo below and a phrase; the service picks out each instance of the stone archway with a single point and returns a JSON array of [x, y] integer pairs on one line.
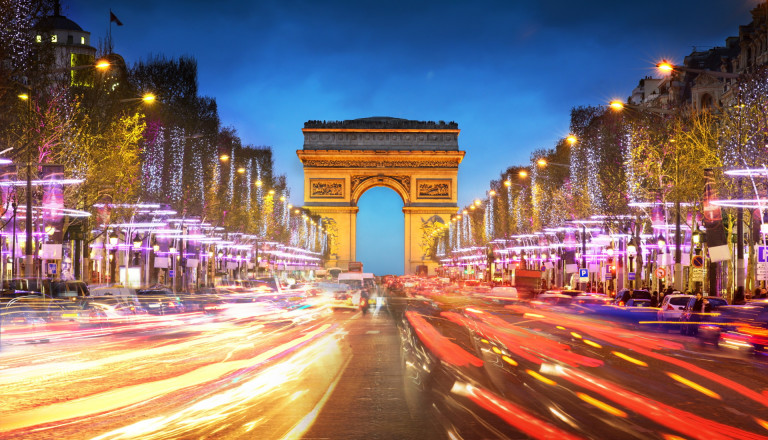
[[418, 160]]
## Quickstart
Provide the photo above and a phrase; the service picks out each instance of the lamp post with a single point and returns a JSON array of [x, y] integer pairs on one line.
[[662, 243], [631, 252], [113, 239], [667, 68], [28, 254]]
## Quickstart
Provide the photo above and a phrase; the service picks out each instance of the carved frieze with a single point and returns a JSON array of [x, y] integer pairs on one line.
[[357, 180], [405, 181], [433, 188], [326, 188]]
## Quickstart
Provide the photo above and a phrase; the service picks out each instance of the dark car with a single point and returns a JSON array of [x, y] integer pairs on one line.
[[160, 301], [745, 327], [69, 289], [27, 286], [623, 296], [690, 318], [37, 312]]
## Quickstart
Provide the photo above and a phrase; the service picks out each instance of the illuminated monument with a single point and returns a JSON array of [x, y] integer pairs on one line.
[[418, 160]]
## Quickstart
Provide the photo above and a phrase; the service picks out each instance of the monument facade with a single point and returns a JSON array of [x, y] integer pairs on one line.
[[418, 160]]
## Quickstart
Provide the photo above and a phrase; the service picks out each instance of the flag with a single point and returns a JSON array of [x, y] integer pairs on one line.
[[717, 241], [113, 18]]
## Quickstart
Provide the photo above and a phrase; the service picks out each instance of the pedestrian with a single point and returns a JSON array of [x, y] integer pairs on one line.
[[655, 299], [757, 293], [698, 305]]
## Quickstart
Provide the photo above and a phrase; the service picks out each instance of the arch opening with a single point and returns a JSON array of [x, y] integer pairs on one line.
[[380, 181], [381, 231]]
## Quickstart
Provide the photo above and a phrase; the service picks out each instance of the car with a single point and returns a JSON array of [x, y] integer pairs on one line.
[[69, 289], [671, 307], [638, 302], [503, 292], [548, 299], [691, 319], [110, 310], [743, 328], [160, 301], [114, 290], [38, 312], [625, 295], [590, 302]]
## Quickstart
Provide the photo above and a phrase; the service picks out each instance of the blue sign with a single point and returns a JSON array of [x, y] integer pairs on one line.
[[762, 254], [52, 268], [170, 273], [583, 273], [631, 276]]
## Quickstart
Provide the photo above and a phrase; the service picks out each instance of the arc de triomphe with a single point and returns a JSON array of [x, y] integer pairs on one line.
[[418, 160]]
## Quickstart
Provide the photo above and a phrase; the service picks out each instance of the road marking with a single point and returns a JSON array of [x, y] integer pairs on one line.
[[372, 332]]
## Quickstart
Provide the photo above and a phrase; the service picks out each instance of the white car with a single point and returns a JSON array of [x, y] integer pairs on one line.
[[671, 308]]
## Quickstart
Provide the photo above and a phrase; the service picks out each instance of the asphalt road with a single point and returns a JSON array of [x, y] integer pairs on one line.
[[369, 401]]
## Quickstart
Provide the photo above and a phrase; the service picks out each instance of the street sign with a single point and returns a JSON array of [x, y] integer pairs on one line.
[[661, 273], [608, 274], [170, 273], [52, 268], [762, 271], [697, 261], [762, 254], [583, 275], [697, 274], [631, 276]]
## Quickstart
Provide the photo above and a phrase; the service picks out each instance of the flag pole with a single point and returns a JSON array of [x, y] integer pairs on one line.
[[109, 34]]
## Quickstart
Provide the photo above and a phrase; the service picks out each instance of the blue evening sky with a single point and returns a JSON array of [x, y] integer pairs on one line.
[[508, 72]]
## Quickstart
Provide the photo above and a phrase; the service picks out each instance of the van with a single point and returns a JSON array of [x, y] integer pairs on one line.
[[352, 279]]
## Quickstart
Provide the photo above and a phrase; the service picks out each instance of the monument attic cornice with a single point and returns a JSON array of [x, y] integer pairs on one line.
[[378, 130], [380, 158]]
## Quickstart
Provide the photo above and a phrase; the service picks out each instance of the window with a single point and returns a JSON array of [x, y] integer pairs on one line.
[[54, 38], [39, 38], [82, 40]]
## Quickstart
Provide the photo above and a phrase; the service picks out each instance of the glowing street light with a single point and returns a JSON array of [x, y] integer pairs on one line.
[[542, 163], [571, 139], [666, 67], [616, 105], [147, 98], [103, 65]]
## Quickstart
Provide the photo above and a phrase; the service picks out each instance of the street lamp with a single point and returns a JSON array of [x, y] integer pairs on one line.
[[542, 163], [146, 98], [631, 252], [28, 255], [666, 67]]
